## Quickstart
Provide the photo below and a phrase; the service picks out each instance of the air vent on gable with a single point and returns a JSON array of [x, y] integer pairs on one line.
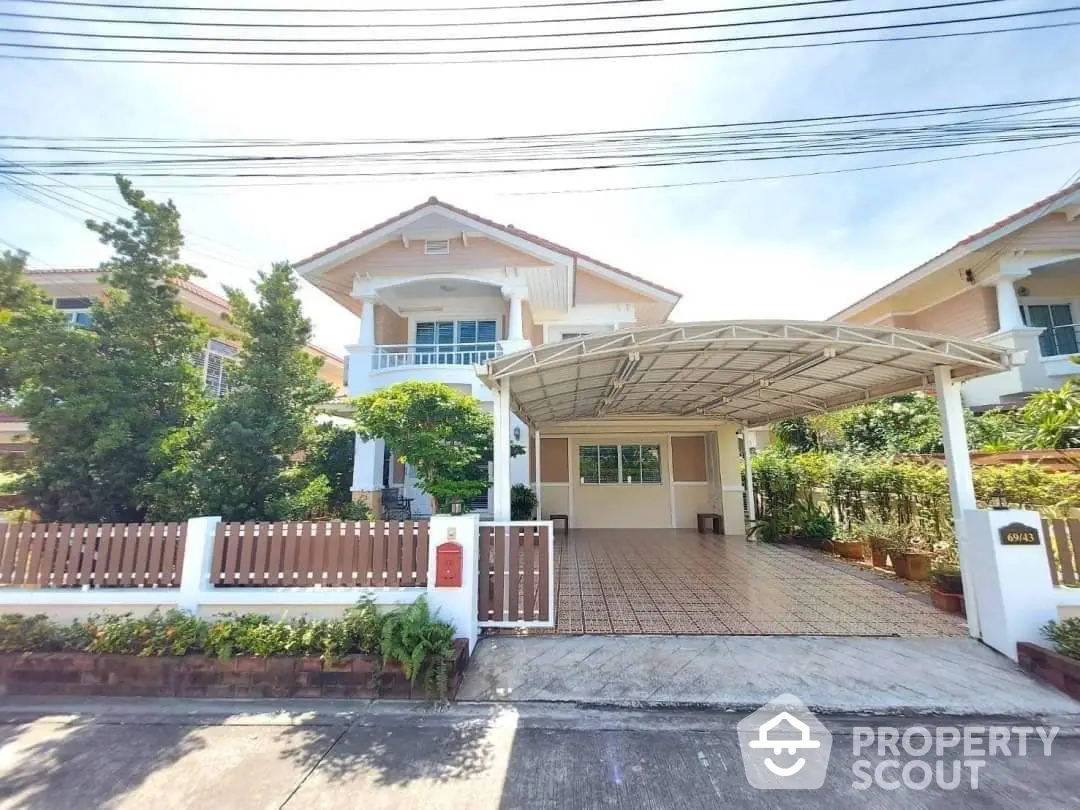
[[437, 247]]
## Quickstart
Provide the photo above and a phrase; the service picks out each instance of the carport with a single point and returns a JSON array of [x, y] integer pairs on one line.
[[637, 397]]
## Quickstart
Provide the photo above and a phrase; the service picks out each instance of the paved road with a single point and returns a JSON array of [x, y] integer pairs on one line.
[[186, 754]]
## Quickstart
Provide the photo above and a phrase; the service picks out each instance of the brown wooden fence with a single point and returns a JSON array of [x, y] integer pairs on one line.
[[1063, 551], [515, 574], [98, 555], [330, 553]]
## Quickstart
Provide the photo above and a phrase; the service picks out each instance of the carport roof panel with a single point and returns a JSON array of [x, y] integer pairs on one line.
[[752, 372]]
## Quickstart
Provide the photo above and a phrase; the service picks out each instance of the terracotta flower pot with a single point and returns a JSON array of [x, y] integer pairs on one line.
[[879, 557], [851, 551], [917, 565], [949, 602], [899, 564]]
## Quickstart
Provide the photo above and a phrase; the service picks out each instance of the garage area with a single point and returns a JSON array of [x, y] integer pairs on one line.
[[644, 581]]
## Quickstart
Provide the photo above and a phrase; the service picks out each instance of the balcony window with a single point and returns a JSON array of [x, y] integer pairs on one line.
[[75, 310], [1059, 336], [215, 362], [455, 342]]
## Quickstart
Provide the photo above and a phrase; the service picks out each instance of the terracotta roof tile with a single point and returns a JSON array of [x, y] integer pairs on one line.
[[509, 229]]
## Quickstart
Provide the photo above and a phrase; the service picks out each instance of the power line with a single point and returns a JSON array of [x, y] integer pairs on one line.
[[168, 143], [302, 10], [542, 48], [439, 24], [512, 59], [794, 175], [503, 36]]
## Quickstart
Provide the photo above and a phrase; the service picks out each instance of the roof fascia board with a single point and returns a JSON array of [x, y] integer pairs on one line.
[[626, 281], [377, 237], [948, 257]]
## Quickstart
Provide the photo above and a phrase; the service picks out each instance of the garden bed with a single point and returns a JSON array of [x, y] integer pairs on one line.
[[1056, 669], [202, 676]]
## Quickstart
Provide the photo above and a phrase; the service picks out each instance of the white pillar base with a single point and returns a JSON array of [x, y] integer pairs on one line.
[[458, 606]]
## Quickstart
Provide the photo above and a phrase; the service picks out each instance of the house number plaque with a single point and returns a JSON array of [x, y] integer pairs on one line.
[[1017, 534]]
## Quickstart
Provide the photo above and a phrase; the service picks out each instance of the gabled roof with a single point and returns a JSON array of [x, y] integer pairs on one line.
[[507, 229], [969, 244]]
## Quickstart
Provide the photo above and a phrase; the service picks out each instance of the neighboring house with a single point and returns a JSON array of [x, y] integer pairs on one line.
[[440, 290], [1015, 284], [73, 293]]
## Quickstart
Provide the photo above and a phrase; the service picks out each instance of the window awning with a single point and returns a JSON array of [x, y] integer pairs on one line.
[[750, 372]]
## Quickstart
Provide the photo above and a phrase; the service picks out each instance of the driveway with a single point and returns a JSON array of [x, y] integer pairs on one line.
[[682, 582]]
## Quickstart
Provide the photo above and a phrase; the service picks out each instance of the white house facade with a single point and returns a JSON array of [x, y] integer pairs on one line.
[[441, 291]]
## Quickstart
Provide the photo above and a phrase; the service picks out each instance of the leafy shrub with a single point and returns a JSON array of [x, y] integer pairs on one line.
[[947, 580], [1065, 636], [422, 645], [411, 635], [522, 502]]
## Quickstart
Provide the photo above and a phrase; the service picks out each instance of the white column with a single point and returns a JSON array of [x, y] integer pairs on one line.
[[536, 475], [501, 452], [368, 465], [751, 507], [1008, 304], [961, 480], [515, 330], [367, 321], [727, 462]]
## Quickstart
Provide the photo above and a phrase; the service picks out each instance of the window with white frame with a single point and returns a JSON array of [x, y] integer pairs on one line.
[[215, 362], [1059, 327], [619, 464], [75, 310]]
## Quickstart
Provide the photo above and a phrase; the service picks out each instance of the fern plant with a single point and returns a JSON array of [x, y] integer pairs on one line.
[[423, 645]]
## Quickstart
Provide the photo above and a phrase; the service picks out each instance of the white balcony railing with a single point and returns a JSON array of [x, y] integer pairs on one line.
[[447, 354]]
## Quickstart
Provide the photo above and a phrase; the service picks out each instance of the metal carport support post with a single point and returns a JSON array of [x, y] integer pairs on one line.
[[751, 506], [501, 452], [961, 481]]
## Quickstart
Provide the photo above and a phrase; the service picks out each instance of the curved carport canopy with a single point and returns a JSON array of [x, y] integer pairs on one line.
[[749, 372]]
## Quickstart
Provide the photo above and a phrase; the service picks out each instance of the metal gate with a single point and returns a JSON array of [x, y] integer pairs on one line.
[[517, 574]]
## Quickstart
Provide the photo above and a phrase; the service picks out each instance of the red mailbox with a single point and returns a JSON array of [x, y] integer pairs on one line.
[[448, 565]]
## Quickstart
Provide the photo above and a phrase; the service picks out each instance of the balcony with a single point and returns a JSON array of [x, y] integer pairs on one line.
[[413, 355], [1059, 341]]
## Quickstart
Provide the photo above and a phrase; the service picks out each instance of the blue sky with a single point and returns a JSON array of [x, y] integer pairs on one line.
[[799, 248]]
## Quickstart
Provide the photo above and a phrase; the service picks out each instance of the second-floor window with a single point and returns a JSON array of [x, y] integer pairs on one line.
[[463, 342], [1060, 328], [75, 310], [216, 361]]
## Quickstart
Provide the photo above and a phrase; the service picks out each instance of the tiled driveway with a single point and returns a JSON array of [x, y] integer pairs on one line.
[[656, 581]]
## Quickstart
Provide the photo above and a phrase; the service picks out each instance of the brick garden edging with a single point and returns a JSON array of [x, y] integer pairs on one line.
[[1056, 669], [356, 676]]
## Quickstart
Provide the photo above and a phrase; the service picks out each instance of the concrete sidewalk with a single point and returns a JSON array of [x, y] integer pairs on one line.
[[951, 676], [255, 755]]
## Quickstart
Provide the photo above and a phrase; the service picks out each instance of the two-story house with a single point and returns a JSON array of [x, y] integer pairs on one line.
[[440, 290], [1015, 283], [73, 292]]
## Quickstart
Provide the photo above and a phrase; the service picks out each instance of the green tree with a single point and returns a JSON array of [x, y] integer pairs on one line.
[[331, 455], [1052, 418], [104, 403], [445, 435], [248, 459]]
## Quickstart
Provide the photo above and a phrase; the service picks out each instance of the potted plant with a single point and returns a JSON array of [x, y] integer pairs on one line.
[[877, 534], [915, 562], [522, 502], [813, 527], [848, 544], [947, 589], [898, 543]]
